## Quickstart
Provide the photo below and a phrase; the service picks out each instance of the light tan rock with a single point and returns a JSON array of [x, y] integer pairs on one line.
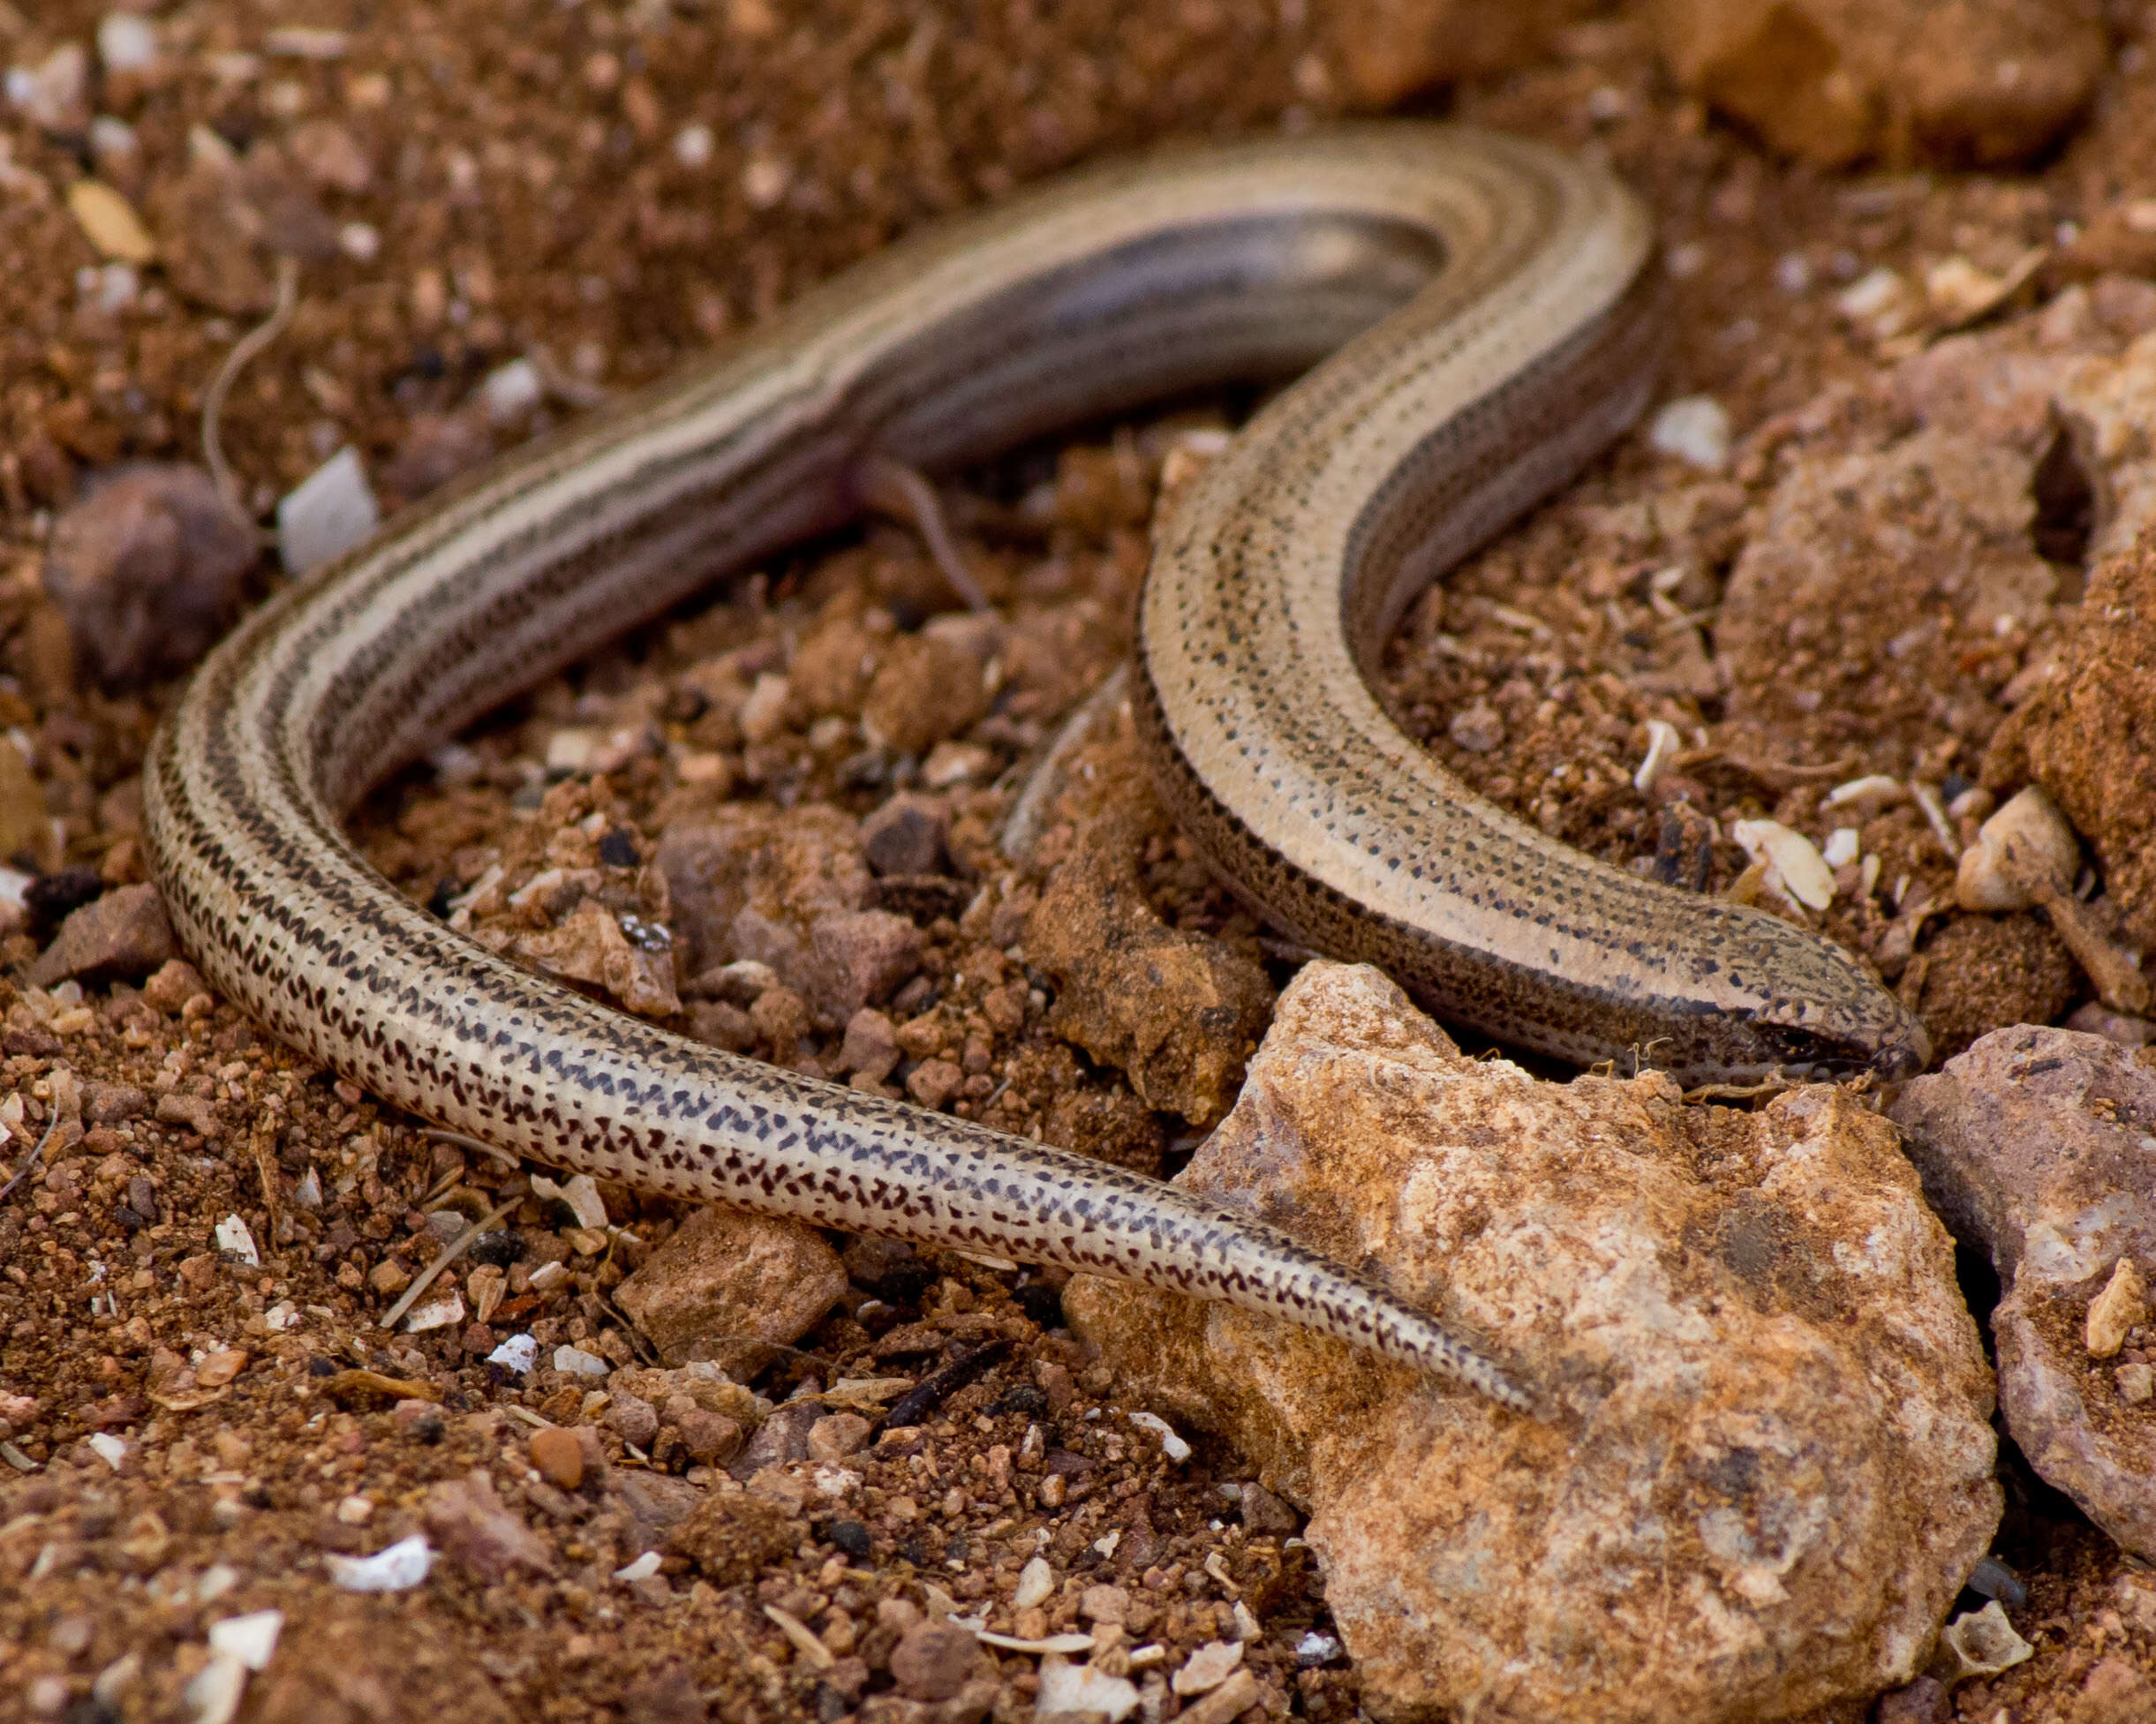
[[726, 1278], [2122, 1306], [1767, 1462], [2032, 1145], [1835, 81]]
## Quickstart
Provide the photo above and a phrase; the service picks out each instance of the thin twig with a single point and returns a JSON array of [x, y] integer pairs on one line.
[[243, 350], [891, 487], [36, 1155], [451, 1253], [443, 1134]]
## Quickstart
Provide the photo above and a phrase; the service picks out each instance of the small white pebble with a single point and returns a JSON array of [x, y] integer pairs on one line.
[[1170, 1445], [360, 241], [1792, 272], [1695, 429], [575, 1362], [1842, 844], [520, 1353], [126, 42], [251, 1638], [512, 390], [692, 145], [445, 1312], [1876, 791], [108, 1448], [1870, 294], [1036, 1581], [326, 513], [214, 1693], [642, 1569], [1209, 1667]]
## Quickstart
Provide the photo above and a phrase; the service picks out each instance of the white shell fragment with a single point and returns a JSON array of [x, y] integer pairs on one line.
[[581, 1194], [1874, 791], [234, 1235], [642, 1569], [575, 1362], [444, 1312], [395, 1567], [2026, 842], [519, 1353], [1842, 846], [326, 513], [1792, 856]]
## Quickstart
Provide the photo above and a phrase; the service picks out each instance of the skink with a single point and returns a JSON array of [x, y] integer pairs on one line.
[[1494, 306]]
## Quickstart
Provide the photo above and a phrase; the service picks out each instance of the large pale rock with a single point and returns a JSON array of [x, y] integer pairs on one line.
[[1834, 81], [2039, 1146], [1766, 1465], [726, 1279]]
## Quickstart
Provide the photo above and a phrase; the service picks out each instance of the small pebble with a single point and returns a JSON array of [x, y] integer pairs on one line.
[[558, 1456], [326, 513], [1477, 728], [1035, 1582], [932, 1660], [2134, 1383], [1696, 430], [2122, 1304]]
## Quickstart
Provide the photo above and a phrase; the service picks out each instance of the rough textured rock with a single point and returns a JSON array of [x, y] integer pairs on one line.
[[477, 1530], [1768, 1462], [589, 947], [125, 933], [732, 1534], [1390, 48], [726, 1278], [2087, 734], [757, 883], [2035, 1145], [1834, 81], [148, 569], [1176, 1013], [1873, 547]]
